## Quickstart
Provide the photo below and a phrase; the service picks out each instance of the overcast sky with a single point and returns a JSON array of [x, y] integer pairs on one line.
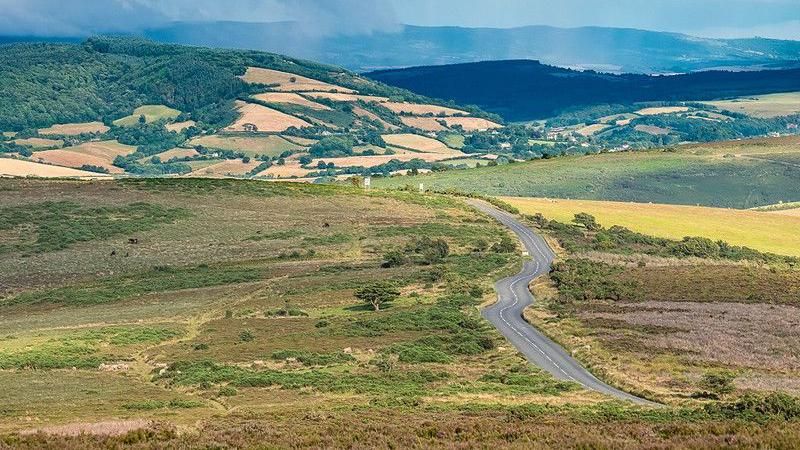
[[712, 18]]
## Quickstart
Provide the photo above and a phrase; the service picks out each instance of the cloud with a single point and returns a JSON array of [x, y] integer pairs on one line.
[[87, 17]]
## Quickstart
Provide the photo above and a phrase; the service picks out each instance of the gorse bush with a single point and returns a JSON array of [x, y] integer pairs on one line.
[[584, 280]]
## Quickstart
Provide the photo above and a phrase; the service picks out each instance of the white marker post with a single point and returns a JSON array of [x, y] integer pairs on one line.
[[367, 183], [421, 188]]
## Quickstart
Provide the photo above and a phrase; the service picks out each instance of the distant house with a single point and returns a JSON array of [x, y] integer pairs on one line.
[[249, 127]]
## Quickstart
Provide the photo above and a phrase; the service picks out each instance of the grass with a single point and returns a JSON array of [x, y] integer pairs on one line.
[[271, 146], [691, 176], [752, 229], [159, 279], [766, 106], [151, 113], [453, 140], [57, 225]]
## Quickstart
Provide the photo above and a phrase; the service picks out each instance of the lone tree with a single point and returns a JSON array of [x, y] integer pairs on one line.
[[377, 294]]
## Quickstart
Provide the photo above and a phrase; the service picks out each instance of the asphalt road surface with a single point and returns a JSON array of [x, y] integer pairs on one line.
[[514, 296]]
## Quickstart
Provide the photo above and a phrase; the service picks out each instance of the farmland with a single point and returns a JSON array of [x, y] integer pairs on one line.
[[151, 113], [705, 174], [765, 106], [752, 229]]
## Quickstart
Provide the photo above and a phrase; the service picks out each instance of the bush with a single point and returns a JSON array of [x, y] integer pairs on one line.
[[246, 336], [506, 245]]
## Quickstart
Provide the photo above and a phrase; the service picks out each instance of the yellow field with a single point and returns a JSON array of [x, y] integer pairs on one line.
[[589, 130], [74, 129], [174, 153], [290, 82], [423, 123], [18, 168], [291, 98], [249, 145], [264, 119], [340, 97], [758, 146], [421, 109], [419, 143], [471, 123], [766, 106], [151, 113], [661, 110], [764, 231], [180, 126]]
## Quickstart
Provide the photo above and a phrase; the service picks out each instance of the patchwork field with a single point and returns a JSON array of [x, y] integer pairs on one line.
[[68, 158], [418, 143], [662, 110], [180, 126], [690, 175], [421, 110], [289, 82], [590, 130], [38, 143], [340, 97], [18, 168], [762, 231], [290, 98], [231, 167], [151, 113], [74, 129], [249, 145], [264, 119], [424, 123], [174, 153], [471, 123], [766, 106]]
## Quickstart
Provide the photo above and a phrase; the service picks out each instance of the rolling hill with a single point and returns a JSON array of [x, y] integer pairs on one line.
[[526, 90], [205, 112]]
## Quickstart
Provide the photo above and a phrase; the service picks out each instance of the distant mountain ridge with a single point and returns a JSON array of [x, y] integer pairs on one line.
[[618, 50], [525, 90], [606, 49]]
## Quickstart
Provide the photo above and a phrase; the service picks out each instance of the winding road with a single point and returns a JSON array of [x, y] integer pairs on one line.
[[514, 296]]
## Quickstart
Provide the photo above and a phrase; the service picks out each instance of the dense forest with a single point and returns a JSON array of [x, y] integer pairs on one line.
[[527, 90]]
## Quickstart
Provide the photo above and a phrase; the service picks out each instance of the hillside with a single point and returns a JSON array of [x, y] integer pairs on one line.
[[136, 107], [526, 90], [607, 49], [738, 174]]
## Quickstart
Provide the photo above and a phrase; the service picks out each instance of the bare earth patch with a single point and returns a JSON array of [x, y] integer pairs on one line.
[[424, 123], [472, 123], [340, 97], [180, 126], [69, 158], [231, 167]]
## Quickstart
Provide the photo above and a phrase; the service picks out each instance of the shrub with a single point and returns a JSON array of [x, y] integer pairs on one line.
[[246, 336]]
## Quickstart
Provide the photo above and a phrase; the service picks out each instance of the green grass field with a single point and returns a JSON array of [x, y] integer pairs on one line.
[[151, 113], [710, 175]]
